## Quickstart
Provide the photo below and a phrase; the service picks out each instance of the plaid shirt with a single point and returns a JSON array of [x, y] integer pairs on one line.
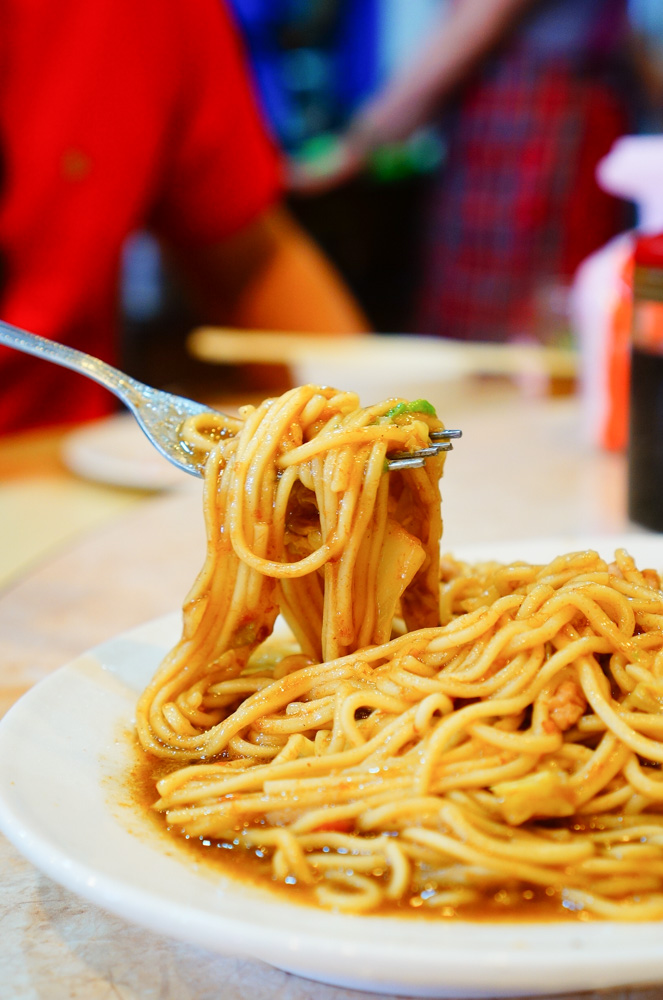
[[516, 207]]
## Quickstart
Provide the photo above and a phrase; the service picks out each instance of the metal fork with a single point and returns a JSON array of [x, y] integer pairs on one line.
[[160, 414]]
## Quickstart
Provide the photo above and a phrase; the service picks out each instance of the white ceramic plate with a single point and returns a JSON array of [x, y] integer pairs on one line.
[[63, 750], [114, 451]]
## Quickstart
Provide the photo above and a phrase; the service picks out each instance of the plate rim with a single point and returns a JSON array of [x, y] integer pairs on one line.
[[586, 964]]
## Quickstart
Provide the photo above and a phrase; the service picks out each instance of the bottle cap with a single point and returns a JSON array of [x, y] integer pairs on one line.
[[633, 170]]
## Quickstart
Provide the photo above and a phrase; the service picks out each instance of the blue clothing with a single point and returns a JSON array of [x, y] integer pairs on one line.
[[312, 87]]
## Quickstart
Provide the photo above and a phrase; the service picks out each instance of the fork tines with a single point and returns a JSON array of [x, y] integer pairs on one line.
[[445, 434], [440, 441]]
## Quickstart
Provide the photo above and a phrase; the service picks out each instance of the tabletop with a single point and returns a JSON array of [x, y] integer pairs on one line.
[[522, 471]]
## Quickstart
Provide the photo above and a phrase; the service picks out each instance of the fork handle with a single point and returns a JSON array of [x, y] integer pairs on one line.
[[124, 386]]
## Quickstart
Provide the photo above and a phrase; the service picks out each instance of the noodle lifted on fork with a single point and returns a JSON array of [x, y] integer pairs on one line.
[[509, 741]]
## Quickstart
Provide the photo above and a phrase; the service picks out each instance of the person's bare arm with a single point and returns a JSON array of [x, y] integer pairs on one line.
[[271, 276], [455, 45]]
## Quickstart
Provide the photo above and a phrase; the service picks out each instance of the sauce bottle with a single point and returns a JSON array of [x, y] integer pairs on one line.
[[620, 326], [645, 448]]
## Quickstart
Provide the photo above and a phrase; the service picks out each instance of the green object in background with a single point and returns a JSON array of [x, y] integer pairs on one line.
[[390, 163], [323, 154], [318, 147], [421, 154]]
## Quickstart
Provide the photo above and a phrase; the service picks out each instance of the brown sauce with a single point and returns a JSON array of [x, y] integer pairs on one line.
[[233, 861]]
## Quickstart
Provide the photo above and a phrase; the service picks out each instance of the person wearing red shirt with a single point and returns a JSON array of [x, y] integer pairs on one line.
[[120, 115]]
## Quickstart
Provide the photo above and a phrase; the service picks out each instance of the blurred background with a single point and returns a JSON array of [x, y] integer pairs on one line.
[[416, 219], [313, 64], [425, 170]]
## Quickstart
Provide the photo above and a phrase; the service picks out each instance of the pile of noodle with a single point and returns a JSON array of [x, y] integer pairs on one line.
[[443, 735]]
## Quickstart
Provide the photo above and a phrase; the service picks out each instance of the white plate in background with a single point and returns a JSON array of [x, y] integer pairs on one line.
[[115, 451]]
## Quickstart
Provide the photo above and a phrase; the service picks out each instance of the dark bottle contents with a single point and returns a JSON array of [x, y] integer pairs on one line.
[[645, 452], [645, 483]]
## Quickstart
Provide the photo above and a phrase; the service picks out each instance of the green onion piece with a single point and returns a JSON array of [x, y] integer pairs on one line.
[[417, 406]]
